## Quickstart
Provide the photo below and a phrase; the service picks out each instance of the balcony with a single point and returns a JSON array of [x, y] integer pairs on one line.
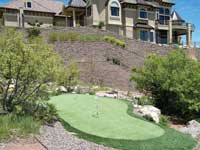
[[176, 25]]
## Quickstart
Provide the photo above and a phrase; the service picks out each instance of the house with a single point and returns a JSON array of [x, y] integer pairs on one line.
[[145, 20], [26, 13]]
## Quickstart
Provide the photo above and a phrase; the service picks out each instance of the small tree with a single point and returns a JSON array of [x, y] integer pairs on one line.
[[70, 76], [33, 32], [25, 65], [173, 81]]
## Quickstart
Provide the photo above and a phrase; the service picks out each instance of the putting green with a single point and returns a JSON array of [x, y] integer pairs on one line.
[[103, 117]]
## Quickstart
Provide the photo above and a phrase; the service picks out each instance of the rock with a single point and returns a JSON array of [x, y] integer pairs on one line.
[[62, 89], [106, 94], [123, 95], [81, 89], [193, 123], [57, 138], [193, 129], [148, 111]]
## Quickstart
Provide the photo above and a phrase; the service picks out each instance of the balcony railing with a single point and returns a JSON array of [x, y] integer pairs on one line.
[[162, 22], [174, 23]]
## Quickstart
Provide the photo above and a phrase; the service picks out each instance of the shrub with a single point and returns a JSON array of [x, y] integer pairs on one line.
[[92, 92], [33, 32], [56, 36], [26, 65], [101, 24], [90, 38], [164, 121], [173, 83], [46, 113], [145, 100], [198, 120], [116, 61], [115, 41], [53, 37], [70, 76]]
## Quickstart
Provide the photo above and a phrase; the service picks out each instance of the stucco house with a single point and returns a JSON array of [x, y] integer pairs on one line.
[[146, 20]]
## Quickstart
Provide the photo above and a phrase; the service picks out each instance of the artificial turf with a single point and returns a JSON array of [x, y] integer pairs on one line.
[[111, 123]]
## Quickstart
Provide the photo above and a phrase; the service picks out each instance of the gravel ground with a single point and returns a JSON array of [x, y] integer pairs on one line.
[[198, 147], [57, 138]]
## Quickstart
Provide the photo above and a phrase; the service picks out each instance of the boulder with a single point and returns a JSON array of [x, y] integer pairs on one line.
[[148, 111], [106, 94], [62, 89], [123, 95], [81, 89], [193, 129]]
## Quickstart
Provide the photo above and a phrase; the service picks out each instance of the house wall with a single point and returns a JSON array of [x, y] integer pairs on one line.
[[128, 19], [11, 19], [99, 11], [60, 21], [46, 21], [116, 29]]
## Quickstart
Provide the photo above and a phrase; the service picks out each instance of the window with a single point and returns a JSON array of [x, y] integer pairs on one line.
[[29, 4], [167, 11], [143, 13], [161, 10], [162, 19], [144, 35], [114, 9], [151, 37], [89, 11]]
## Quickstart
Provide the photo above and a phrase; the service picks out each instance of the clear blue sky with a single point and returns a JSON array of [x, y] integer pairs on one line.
[[188, 9]]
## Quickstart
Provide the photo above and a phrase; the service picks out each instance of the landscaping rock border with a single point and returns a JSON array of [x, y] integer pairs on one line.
[[57, 138]]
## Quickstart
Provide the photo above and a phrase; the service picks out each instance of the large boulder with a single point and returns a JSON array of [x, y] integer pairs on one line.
[[193, 129], [62, 89], [148, 111], [81, 89]]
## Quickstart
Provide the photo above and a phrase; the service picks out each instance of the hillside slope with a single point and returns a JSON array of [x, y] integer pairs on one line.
[[93, 57]]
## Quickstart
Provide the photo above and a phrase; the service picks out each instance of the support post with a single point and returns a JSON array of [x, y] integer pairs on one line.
[[170, 32], [189, 35], [74, 18]]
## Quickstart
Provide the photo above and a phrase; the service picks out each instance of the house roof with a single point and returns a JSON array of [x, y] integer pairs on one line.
[[154, 4], [77, 3], [176, 17], [50, 6], [140, 25]]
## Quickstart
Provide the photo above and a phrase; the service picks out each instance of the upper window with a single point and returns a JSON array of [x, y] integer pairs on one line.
[[114, 9], [29, 5], [161, 11], [167, 11], [143, 13]]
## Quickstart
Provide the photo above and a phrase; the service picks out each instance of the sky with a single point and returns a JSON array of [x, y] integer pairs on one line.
[[189, 10]]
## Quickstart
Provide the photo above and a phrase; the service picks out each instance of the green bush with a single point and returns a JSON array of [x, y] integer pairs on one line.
[[26, 66], [198, 120], [116, 61], [65, 36], [70, 76], [12, 126], [145, 100], [164, 121], [46, 113], [90, 38], [33, 32], [173, 82], [53, 37], [101, 24], [92, 92], [115, 41]]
